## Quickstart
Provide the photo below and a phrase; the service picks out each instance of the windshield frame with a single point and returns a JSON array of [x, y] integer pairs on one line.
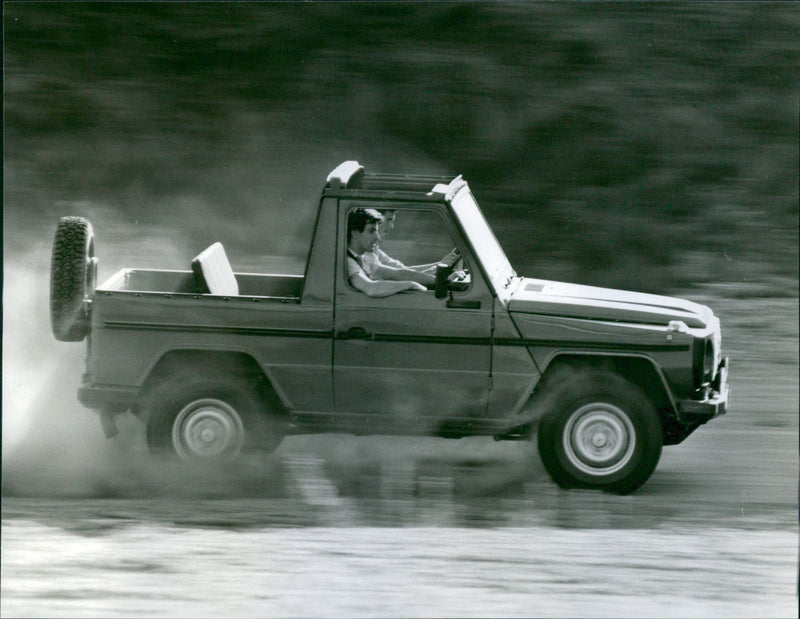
[[496, 267]]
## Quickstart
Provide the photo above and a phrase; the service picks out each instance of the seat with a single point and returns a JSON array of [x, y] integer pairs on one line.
[[213, 272]]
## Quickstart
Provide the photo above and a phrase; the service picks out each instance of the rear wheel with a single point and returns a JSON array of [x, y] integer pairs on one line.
[[213, 420], [601, 432], [73, 271]]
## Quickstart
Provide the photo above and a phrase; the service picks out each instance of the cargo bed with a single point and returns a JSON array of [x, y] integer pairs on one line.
[[185, 282]]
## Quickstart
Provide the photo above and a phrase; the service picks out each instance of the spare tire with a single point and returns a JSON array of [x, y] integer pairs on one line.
[[73, 272]]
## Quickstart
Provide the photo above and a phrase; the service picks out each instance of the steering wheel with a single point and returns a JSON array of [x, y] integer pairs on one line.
[[458, 264], [459, 280], [450, 265]]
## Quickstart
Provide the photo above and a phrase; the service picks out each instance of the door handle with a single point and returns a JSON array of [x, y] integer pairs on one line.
[[463, 303], [355, 333]]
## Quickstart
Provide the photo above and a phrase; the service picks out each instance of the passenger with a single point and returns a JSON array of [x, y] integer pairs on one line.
[[362, 236]]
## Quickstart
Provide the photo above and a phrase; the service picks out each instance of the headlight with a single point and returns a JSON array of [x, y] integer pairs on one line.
[[706, 352], [708, 361], [705, 355]]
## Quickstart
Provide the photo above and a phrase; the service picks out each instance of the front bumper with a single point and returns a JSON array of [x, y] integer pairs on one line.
[[715, 400]]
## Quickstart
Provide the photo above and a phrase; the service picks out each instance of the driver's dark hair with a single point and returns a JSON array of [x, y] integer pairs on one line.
[[360, 218]]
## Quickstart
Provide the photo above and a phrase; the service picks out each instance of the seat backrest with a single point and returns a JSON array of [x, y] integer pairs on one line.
[[214, 273]]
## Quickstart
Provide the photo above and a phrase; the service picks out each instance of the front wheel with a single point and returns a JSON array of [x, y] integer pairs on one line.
[[601, 432], [209, 420]]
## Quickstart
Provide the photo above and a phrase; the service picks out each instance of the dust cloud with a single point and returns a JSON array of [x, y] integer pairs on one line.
[[52, 445]]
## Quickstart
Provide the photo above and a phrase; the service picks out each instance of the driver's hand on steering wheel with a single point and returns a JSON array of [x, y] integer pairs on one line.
[[458, 281]]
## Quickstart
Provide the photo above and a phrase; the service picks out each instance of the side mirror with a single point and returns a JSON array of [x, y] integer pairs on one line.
[[442, 273]]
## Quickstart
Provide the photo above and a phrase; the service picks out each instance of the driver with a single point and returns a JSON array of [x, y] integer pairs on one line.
[[384, 281]]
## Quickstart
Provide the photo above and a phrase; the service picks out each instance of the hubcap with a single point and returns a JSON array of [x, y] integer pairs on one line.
[[208, 428], [599, 439]]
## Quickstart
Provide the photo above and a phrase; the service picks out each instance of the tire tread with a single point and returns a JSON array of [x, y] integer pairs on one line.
[[73, 248]]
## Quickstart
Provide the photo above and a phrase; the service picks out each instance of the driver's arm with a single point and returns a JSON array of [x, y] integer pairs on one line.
[[382, 288], [449, 258], [385, 272]]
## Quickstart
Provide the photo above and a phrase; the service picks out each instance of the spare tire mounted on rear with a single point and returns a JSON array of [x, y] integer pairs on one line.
[[73, 274]]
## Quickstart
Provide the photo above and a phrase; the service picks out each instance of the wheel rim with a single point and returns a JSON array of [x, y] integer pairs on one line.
[[599, 439], [208, 428]]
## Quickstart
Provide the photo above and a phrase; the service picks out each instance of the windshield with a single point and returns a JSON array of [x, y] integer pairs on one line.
[[482, 238]]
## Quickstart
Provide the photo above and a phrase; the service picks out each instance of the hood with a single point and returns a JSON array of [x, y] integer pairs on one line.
[[537, 296]]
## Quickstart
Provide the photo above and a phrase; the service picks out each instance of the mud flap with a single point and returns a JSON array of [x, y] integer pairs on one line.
[[108, 424]]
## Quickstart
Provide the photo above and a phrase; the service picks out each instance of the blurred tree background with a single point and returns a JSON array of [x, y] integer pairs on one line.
[[646, 146]]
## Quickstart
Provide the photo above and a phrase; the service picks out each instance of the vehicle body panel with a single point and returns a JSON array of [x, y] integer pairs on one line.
[[560, 299], [132, 331]]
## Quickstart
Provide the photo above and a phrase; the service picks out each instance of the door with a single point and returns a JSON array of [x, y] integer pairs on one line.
[[410, 358]]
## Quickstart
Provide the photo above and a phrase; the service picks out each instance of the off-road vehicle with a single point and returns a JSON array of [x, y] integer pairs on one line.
[[217, 363]]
